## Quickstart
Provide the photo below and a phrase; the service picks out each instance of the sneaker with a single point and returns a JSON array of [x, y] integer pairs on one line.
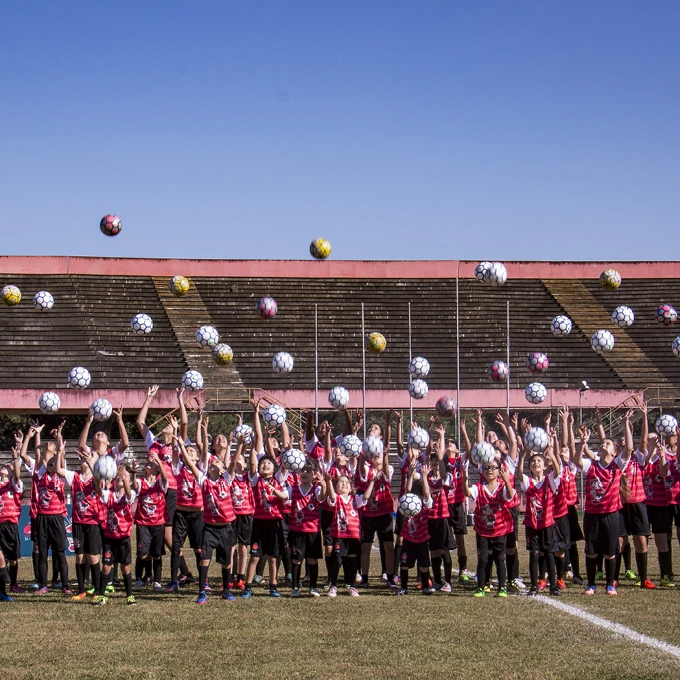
[[90, 590], [247, 593], [590, 590], [358, 578], [513, 588], [157, 587], [131, 600], [533, 591], [502, 592], [295, 592], [16, 588], [383, 577], [648, 585], [446, 588], [257, 579], [172, 587], [208, 589], [228, 595], [437, 587], [353, 592], [34, 586], [289, 579], [630, 575], [186, 580], [518, 584], [117, 582], [569, 575], [79, 597], [487, 589], [542, 585], [615, 583], [577, 581], [240, 584], [4, 597], [313, 592], [202, 597], [464, 579], [362, 584], [42, 591], [480, 592], [56, 585], [611, 590], [138, 584], [427, 591], [555, 591], [403, 591], [393, 584], [110, 589], [599, 576], [67, 592], [561, 584], [332, 592], [274, 591], [100, 601], [666, 582]]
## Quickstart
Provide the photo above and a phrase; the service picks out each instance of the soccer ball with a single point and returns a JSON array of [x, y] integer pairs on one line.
[[338, 397], [560, 325], [536, 439], [267, 307], [482, 453], [666, 315], [111, 225], [602, 341], [320, 249], [376, 343], [372, 446], [623, 316], [293, 459], [535, 393], [222, 354], [537, 362], [274, 415], [481, 270], [192, 381], [101, 410], [49, 402], [496, 274], [410, 505], [141, 324], [207, 336], [498, 370], [350, 446], [418, 389], [11, 295], [79, 377], [244, 431], [610, 279], [418, 438], [105, 468], [666, 425], [179, 285], [419, 367], [446, 406], [282, 362], [43, 301], [676, 346]]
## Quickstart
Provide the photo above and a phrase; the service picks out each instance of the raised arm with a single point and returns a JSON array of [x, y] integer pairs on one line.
[[466, 486], [179, 443], [16, 465], [440, 445], [510, 434], [285, 436], [143, 412], [628, 445], [571, 438], [424, 472], [199, 430], [183, 418], [309, 424], [479, 433], [258, 441], [349, 426], [23, 443], [644, 435], [584, 436], [85, 432], [505, 476], [563, 415], [122, 432], [600, 427], [551, 453], [463, 429], [387, 435]]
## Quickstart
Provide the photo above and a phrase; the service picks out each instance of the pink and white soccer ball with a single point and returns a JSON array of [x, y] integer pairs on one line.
[[350, 445], [666, 425], [537, 362], [602, 341], [676, 346], [372, 446], [192, 381], [101, 410], [536, 439], [666, 315], [498, 370], [446, 406], [623, 316], [535, 393], [293, 460], [111, 225], [418, 389], [419, 367], [418, 438], [338, 397], [560, 325], [482, 453], [105, 468], [267, 307], [49, 402]]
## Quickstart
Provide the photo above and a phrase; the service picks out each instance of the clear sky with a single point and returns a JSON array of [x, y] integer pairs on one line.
[[426, 130]]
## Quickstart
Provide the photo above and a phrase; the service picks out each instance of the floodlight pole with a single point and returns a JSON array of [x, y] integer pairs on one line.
[[410, 357], [363, 366], [316, 363]]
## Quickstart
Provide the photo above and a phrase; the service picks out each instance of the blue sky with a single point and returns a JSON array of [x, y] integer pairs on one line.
[[398, 130]]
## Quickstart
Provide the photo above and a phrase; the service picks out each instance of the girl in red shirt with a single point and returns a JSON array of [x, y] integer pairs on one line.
[[11, 489]]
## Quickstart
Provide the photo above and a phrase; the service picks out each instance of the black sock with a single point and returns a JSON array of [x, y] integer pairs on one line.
[[198, 560], [462, 563], [670, 554], [13, 571], [353, 568], [533, 568], [226, 577], [55, 567], [157, 566], [560, 567], [139, 568], [96, 573], [573, 559], [403, 577], [383, 563], [313, 570], [542, 567], [664, 563], [36, 566], [437, 569], [202, 578], [591, 568], [424, 579], [63, 568], [183, 569], [626, 556], [42, 570], [147, 568], [364, 578], [329, 559], [481, 571], [335, 569], [489, 570], [295, 574], [114, 572], [287, 562], [80, 577], [600, 563], [501, 570], [345, 571], [610, 571], [550, 559], [4, 578], [617, 565], [127, 580], [446, 559], [641, 561], [397, 557], [102, 585], [86, 570], [110, 576], [510, 563], [174, 567]]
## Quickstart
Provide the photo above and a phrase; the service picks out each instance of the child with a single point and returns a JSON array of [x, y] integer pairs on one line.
[[244, 506], [539, 523], [100, 442], [415, 532], [303, 536], [116, 549], [492, 520], [345, 529], [441, 539], [150, 519], [11, 489]]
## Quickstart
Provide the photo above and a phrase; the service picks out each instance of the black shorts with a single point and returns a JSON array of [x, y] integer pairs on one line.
[[636, 519], [187, 523], [458, 518], [490, 546], [562, 533], [304, 545], [151, 540], [541, 540], [220, 538], [601, 532], [9, 541], [170, 506], [267, 538], [415, 552], [660, 519], [326, 524], [117, 550], [342, 547], [243, 529], [441, 536], [511, 540], [623, 532], [87, 539], [51, 533], [381, 525], [575, 531]]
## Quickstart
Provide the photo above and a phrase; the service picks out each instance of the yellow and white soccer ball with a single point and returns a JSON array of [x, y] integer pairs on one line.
[[179, 285], [610, 279], [222, 354], [376, 343], [320, 249], [11, 295]]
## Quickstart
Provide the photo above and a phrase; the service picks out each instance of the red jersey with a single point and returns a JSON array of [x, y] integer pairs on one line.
[[634, 474], [317, 451], [151, 503], [334, 471], [457, 466], [267, 504], [217, 505], [492, 516], [164, 452], [188, 489], [304, 512], [540, 499], [438, 492], [657, 488], [674, 472], [50, 494], [415, 528], [85, 505], [345, 518], [242, 495], [603, 487], [118, 514], [568, 485], [381, 501], [10, 502]]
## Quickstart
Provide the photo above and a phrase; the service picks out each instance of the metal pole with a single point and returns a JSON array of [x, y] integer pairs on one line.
[[580, 418], [507, 359], [363, 366], [316, 363], [410, 356], [457, 365]]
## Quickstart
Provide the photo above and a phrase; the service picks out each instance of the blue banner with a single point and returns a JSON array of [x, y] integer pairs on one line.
[[25, 532]]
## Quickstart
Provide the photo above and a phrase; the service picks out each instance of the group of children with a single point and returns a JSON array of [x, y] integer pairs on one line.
[[233, 496]]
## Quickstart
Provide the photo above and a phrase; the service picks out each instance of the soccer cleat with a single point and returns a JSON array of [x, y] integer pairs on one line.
[[569, 575], [110, 589], [502, 592], [533, 591], [353, 592], [427, 591], [590, 590], [630, 575], [542, 585], [208, 589], [138, 584], [56, 585], [247, 593], [42, 591], [157, 587], [666, 582], [172, 587], [555, 591], [480, 592], [186, 580], [577, 581], [16, 588], [228, 595], [383, 577], [79, 597], [295, 592], [332, 591], [362, 584], [274, 591], [34, 586], [99, 600], [561, 584], [131, 600], [257, 579], [599, 576], [67, 592], [611, 590], [446, 588], [517, 585], [4, 597], [403, 591], [202, 597], [240, 584], [393, 584], [464, 579], [313, 592], [90, 590], [487, 588]]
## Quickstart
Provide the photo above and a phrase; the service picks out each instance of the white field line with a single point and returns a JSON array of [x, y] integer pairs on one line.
[[612, 627]]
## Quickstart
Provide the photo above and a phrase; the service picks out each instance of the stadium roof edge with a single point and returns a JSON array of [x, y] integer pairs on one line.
[[312, 269]]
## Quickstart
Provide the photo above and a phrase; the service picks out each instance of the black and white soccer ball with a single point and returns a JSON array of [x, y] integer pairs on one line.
[[480, 271], [274, 415], [293, 460], [536, 439], [418, 389], [482, 453], [101, 409], [43, 301], [49, 402], [666, 425], [676, 346], [410, 505], [207, 336], [244, 431], [282, 362], [602, 341], [338, 397], [372, 447], [623, 316], [192, 381], [535, 393], [419, 367], [141, 324], [79, 377], [350, 446], [418, 438], [560, 325]]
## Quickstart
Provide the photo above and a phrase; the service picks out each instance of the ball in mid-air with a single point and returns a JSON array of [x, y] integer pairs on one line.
[[207, 336], [446, 406], [222, 354], [610, 279], [49, 402], [338, 397], [274, 415], [111, 225], [535, 393], [419, 367], [79, 377], [101, 409], [498, 370], [481, 271], [666, 425], [267, 307], [537, 362], [410, 504], [372, 447], [350, 446], [666, 315], [104, 468], [418, 438], [179, 285], [676, 346], [418, 389], [141, 324], [536, 439], [244, 431], [192, 381], [376, 343], [320, 248], [293, 460], [43, 301], [496, 274], [602, 341], [560, 325], [11, 295], [482, 453], [282, 362], [623, 316]]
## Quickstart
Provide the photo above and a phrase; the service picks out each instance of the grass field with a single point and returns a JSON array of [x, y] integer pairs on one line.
[[375, 636]]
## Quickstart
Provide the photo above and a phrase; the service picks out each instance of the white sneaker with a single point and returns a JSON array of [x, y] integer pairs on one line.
[[138, 585], [158, 588], [353, 592], [569, 576], [332, 592], [519, 584]]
